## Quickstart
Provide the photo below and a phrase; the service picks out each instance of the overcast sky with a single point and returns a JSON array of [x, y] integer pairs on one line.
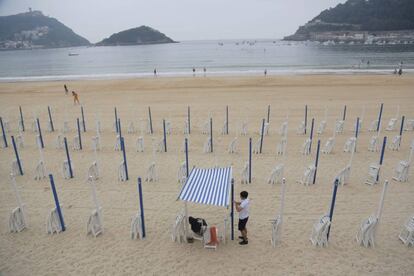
[[179, 19]]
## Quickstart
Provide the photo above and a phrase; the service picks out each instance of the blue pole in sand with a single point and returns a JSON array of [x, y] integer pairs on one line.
[[150, 119], [116, 120], [4, 133], [311, 134], [119, 128], [211, 133], [268, 113], [21, 117], [50, 119], [79, 134], [189, 121], [402, 128], [306, 117], [40, 133], [186, 158], [55, 196], [316, 161], [356, 132], [261, 135], [379, 117], [68, 157], [232, 211], [344, 114], [336, 184], [250, 160], [141, 207], [83, 120], [124, 154], [165, 136], [19, 164], [384, 142], [227, 119]]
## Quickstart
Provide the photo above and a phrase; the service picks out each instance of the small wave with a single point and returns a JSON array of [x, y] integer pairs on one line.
[[252, 72]]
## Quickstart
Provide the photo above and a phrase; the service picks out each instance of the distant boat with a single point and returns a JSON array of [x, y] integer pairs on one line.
[[73, 54]]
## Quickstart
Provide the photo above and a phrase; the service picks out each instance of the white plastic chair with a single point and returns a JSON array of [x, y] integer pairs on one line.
[[407, 232], [329, 144]]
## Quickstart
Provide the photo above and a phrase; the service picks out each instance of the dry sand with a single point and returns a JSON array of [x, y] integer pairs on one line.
[[33, 252]]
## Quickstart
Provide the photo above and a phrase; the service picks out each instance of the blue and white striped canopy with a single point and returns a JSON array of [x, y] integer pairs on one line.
[[208, 186]]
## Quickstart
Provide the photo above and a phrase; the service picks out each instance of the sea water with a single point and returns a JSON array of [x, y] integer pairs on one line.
[[225, 57]]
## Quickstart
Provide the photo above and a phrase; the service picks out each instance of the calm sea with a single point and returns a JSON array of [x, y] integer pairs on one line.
[[235, 57]]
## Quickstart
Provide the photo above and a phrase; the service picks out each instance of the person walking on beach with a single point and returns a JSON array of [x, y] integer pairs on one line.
[[205, 71], [243, 208], [193, 71], [155, 72], [75, 98], [265, 72], [66, 89]]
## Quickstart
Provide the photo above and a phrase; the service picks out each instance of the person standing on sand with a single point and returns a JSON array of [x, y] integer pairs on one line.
[[155, 72], [205, 71], [243, 208], [265, 72], [75, 98], [66, 89]]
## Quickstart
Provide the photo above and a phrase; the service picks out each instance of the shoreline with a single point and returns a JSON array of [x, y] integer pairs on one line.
[[215, 74]]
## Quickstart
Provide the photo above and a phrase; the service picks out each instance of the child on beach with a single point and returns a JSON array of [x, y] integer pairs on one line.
[[66, 89], [75, 98], [243, 208]]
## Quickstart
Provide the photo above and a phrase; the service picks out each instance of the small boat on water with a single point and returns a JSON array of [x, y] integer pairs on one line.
[[73, 54]]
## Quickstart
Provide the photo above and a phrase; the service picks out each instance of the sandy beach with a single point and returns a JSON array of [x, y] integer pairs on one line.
[[33, 252]]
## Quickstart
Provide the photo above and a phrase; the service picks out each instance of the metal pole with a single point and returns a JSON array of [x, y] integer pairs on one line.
[[211, 133], [150, 119], [282, 204], [40, 133], [306, 117], [21, 117], [379, 117], [402, 125], [68, 157], [227, 119], [50, 119], [119, 127], [83, 120], [311, 134], [384, 142], [55, 196], [268, 113], [316, 161], [124, 154], [381, 204], [165, 136], [79, 134], [232, 211], [141, 207], [4, 133], [186, 158], [19, 164], [189, 119], [332, 205], [344, 114], [261, 136], [250, 160], [382, 154], [356, 133], [116, 121]]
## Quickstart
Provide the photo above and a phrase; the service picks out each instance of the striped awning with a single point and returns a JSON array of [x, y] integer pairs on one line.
[[208, 186]]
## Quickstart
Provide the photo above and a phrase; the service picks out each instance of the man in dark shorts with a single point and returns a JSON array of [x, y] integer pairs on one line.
[[243, 208]]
